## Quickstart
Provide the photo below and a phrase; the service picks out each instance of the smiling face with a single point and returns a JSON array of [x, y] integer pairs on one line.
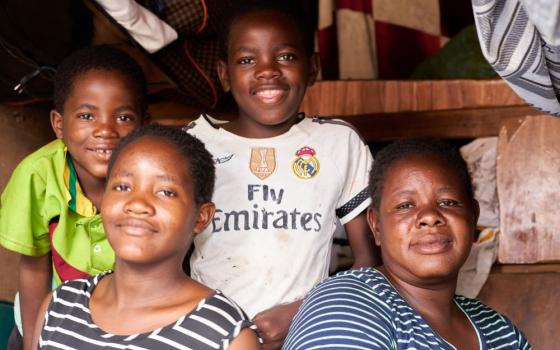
[[149, 210], [425, 221], [100, 110], [267, 71]]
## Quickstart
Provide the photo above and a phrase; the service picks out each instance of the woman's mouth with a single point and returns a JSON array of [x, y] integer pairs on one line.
[[136, 227], [432, 244]]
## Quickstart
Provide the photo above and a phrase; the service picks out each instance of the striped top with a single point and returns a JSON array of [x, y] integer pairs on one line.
[[360, 309], [214, 323], [521, 41]]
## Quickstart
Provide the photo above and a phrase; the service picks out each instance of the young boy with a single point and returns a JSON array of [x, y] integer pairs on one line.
[[99, 97], [282, 179]]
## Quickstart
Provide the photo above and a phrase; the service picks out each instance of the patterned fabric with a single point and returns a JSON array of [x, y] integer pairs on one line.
[[191, 61], [384, 39], [276, 202], [186, 17], [214, 323], [360, 309], [521, 40]]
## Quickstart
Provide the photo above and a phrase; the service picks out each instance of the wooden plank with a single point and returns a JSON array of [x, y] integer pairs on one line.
[[451, 124], [527, 168], [526, 268], [335, 98]]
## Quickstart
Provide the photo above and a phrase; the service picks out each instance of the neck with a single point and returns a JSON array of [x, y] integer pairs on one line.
[[95, 193], [93, 187], [134, 286], [433, 301]]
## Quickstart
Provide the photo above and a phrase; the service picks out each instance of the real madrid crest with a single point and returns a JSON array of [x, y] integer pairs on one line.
[[306, 165], [263, 162]]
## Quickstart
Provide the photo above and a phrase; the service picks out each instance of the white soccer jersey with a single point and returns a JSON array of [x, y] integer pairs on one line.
[[277, 201]]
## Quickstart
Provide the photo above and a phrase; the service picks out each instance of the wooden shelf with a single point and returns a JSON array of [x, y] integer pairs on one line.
[[357, 97], [448, 124], [526, 268]]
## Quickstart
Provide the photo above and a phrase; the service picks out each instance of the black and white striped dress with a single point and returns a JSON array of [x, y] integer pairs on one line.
[[214, 323]]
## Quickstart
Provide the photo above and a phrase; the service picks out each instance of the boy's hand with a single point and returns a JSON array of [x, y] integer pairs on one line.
[[273, 324]]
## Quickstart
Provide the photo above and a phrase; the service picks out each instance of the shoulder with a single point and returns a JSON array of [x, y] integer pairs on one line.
[[38, 160], [220, 312], [76, 288], [72, 297], [50, 152], [477, 310], [203, 124], [360, 294], [220, 307], [496, 328], [68, 309], [318, 124], [367, 287], [343, 311]]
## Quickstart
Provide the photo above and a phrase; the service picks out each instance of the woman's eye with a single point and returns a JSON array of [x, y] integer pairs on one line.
[[406, 205], [167, 193], [85, 116], [246, 60], [287, 57], [448, 203], [121, 188]]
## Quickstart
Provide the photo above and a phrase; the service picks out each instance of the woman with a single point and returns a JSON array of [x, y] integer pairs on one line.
[[423, 216]]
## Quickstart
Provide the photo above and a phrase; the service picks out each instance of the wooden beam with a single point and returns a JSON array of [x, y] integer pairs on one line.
[[449, 124], [330, 98], [525, 268]]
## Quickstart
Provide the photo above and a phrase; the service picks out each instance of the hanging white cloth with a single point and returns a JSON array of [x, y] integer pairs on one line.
[[145, 27]]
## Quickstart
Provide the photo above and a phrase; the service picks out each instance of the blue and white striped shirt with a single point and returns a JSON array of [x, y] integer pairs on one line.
[[360, 309]]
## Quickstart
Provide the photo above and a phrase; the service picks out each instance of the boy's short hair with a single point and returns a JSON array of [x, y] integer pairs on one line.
[[291, 9], [411, 147], [102, 57], [198, 160]]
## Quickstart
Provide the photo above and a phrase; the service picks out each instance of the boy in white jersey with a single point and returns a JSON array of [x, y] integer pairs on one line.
[[283, 180]]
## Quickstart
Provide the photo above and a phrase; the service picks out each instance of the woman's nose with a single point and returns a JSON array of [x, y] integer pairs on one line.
[[429, 216]]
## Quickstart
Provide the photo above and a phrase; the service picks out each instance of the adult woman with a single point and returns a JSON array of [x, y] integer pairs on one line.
[[423, 216]]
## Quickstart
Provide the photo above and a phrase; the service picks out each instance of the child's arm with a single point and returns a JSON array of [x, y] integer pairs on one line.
[[273, 324], [39, 322], [34, 285], [361, 240]]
